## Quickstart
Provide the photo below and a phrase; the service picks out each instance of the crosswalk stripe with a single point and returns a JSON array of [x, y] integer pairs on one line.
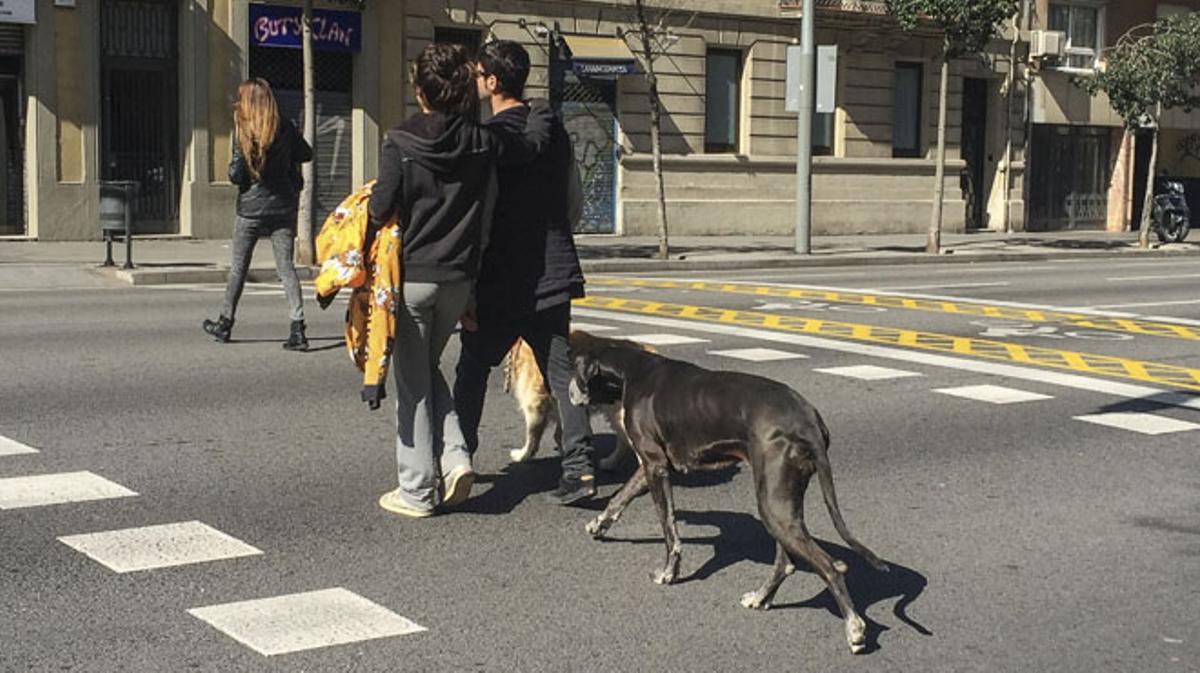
[[11, 447], [868, 372], [1146, 424], [160, 546], [305, 621], [993, 394], [55, 489]]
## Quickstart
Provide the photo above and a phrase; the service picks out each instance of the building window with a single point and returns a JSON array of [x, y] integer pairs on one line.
[[1082, 25], [906, 117], [467, 37], [722, 81]]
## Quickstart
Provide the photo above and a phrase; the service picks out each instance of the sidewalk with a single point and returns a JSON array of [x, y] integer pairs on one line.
[[168, 261]]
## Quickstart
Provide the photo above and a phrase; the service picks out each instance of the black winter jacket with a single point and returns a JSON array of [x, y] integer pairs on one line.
[[531, 262], [437, 173], [277, 192]]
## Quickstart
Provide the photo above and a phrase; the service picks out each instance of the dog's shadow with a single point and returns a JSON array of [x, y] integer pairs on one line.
[[742, 537]]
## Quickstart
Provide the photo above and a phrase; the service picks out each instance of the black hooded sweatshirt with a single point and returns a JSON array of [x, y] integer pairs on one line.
[[437, 172]]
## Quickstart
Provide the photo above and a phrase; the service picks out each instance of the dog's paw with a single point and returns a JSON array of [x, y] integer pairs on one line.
[[856, 634], [753, 601], [597, 527], [522, 454], [664, 576]]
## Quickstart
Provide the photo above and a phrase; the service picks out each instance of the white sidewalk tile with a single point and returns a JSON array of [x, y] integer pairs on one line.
[[591, 327], [162, 546], [54, 489], [304, 621], [1147, 424], [665, 339], [11, 447], [759, 354], [993, 394], [868, 372]]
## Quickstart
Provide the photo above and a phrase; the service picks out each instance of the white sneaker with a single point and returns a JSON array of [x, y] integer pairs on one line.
[[456, 486], [394, 503]]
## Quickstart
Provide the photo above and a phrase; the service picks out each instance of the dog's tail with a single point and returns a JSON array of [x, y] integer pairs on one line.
[[825, 477]]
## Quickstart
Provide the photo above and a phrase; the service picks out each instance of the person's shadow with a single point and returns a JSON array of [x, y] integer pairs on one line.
[[742, 537], [517, 481]]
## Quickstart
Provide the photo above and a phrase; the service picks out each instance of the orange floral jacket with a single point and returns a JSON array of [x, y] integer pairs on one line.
[[370, 268]]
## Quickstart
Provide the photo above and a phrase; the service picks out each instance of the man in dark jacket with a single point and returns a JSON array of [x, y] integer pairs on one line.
[[530, 271]]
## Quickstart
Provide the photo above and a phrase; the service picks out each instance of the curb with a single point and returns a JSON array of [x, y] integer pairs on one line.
[[179, 276]]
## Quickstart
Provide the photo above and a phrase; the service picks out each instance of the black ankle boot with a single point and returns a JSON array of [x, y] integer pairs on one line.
[[219, 329], [296, 340]]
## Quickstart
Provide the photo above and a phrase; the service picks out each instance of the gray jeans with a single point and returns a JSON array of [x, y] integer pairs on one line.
[[246, 232], [429, 440]]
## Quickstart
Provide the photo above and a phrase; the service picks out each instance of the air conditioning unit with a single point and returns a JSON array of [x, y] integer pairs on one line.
[[1047, 44]]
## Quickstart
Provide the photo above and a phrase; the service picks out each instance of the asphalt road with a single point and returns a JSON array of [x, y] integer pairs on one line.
[[1021, 538]]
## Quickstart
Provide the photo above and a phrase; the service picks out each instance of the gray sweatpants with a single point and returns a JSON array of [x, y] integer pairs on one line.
[[246, 232], [429, 440]]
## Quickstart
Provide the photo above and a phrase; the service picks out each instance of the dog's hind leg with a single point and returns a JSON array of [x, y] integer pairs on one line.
[[538, 416], [761, 599], [613, 415], [781, 485], [633, 488], [659, 483]]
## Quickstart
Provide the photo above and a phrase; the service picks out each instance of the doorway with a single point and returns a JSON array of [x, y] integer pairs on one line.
[[12, 147], [974, 151], [589, 110], [139, 115]]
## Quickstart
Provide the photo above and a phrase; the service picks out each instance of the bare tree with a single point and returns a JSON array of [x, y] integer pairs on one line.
[[651, 40], [305, 252]]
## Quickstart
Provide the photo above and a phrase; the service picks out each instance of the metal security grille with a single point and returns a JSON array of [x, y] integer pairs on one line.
[[1069, 174], [334, 75], [12, 147], [589, 110], [139, 123]]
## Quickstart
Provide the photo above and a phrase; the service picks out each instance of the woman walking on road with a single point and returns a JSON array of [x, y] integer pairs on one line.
[[266, 169], [437, 171]]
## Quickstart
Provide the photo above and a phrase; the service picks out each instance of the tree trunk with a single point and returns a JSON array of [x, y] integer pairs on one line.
[[934, 245], [305, 252], [1148, 203], [655, 127]]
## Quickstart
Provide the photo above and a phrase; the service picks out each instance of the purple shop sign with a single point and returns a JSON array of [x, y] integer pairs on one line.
[[279, 26]]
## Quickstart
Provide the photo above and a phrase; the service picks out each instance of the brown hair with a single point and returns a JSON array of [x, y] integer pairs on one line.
[[445, 77], [256, 120]]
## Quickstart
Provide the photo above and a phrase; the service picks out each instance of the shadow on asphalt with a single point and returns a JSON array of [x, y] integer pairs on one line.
[[743, 537], [518, 481], [1160, 402]]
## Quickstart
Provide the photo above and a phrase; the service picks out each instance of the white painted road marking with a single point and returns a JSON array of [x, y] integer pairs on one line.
[[993, 394], [1096, 385], [162, 546], [1149, 303], [868, 372], [1171, 276], [759, 354], [305, 621], [11, 447], [1147, 424], [665, 339], [54, 489], [937, 286], [591, 327]]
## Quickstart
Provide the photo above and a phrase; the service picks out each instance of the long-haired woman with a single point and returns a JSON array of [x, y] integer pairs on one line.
[[267, 154]]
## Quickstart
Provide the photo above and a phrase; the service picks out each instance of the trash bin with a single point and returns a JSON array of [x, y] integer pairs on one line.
[[116, 217]]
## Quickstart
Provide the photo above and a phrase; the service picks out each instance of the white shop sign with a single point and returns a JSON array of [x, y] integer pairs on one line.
[[17, 11]]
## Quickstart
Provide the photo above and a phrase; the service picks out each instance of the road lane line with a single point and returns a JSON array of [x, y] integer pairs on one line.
[[961, 306], [936, 286], [1149, 303], [56, 489], [1087, 383], [1170, 276]]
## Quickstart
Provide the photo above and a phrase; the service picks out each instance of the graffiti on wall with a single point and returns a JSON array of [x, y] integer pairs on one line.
[[591, 128]]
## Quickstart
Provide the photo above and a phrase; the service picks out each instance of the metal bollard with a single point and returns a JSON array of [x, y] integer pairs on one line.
[[116, 215]]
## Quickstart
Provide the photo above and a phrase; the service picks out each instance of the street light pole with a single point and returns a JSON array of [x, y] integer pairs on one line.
[[804, 132]]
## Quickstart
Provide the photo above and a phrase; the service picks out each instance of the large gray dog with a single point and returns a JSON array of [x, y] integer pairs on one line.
[[682, 417]]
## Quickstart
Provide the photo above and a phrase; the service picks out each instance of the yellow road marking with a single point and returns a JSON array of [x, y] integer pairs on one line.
[[970, 309], [1089, 363]]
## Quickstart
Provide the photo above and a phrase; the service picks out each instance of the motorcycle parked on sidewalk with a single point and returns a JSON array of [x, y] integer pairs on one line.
[[1171, 217]]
